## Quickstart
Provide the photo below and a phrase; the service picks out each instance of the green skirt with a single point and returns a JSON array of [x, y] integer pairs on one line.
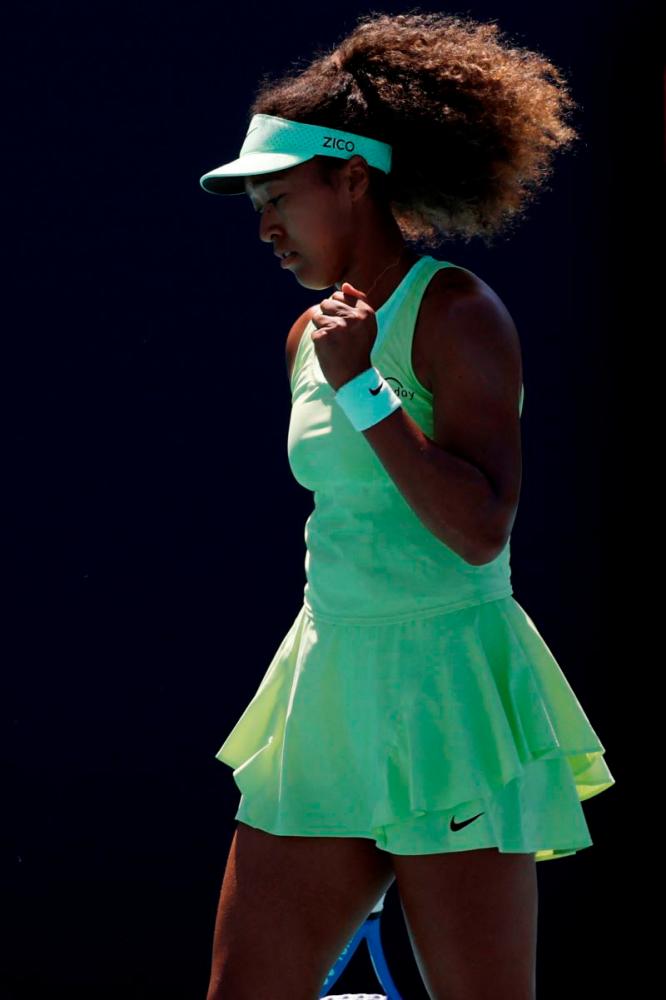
[[448, 732]]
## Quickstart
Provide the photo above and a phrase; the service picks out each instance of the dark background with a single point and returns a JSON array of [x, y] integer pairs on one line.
[[152, 531]]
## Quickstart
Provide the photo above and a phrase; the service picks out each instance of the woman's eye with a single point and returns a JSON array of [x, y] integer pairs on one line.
[[272, 201]]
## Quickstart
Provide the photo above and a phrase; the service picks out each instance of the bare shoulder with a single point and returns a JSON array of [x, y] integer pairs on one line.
[[455, 303], [294, 338]]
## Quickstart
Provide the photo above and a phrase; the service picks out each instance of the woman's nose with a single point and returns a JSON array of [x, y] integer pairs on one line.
[[267, 226]]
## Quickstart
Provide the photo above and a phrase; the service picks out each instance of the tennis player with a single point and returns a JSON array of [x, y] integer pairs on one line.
[[413, 724]]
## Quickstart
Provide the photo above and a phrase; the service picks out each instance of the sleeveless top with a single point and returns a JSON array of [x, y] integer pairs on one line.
[[369, 558]]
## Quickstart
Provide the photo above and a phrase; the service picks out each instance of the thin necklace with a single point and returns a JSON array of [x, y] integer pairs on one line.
[[396, 261]]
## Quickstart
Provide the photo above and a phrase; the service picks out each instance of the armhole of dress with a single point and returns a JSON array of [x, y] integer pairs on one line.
[[298, 357]]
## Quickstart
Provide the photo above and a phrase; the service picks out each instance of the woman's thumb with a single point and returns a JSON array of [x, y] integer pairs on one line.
[[350, 290]]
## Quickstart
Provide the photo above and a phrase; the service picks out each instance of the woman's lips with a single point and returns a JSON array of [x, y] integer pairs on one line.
[[286, 261]]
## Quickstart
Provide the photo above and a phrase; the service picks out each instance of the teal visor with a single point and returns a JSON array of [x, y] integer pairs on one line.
[[273, 143]]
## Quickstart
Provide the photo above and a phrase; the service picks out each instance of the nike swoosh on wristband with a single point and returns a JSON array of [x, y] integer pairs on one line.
[[373, 392], [466, 822]]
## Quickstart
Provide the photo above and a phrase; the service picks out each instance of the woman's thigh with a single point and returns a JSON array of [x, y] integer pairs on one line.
[[472, 921], [287, 908]]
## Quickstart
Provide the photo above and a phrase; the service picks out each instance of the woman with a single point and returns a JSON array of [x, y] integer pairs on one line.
[[413, 724]]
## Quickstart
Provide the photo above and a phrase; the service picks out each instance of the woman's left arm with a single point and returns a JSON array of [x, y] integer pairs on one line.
[[464, 482]]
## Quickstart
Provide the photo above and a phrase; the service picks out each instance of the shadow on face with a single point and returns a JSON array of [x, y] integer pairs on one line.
[[303, 173]]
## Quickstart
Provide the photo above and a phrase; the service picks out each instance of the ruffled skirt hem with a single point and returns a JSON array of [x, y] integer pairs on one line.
[[402, 732]]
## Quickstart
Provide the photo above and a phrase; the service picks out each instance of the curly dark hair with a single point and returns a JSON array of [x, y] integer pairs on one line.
[[473, 121]]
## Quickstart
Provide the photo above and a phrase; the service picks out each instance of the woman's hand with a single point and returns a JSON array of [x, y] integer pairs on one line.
[[346, 331]]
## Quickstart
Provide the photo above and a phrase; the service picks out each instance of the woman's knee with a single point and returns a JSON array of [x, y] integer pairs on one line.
[[249, 982]]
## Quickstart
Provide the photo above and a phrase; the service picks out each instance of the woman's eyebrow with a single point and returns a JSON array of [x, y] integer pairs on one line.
[[250, 195]]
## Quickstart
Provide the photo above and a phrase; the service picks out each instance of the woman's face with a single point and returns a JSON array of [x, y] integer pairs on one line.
[[298, 211]]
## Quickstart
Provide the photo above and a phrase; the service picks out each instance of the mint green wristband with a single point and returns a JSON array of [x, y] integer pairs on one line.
[[366, 399]]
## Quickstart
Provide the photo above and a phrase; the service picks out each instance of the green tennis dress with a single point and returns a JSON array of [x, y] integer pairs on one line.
[[412, 701]]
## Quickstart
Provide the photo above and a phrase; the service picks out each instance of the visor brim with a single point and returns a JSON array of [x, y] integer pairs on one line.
[[229, 178]]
